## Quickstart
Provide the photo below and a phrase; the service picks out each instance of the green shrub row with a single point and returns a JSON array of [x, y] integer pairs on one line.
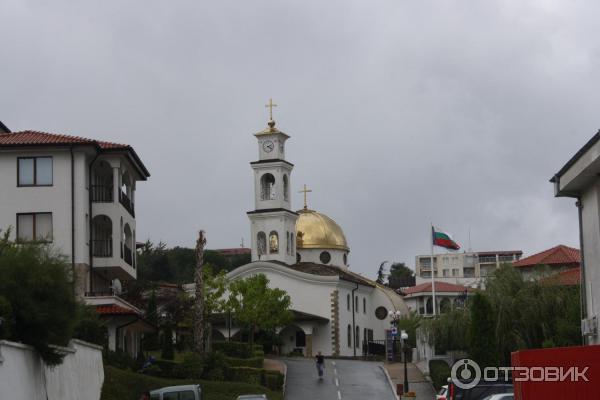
[[257, 376], [254, 362], [439, 371], [236, 349]]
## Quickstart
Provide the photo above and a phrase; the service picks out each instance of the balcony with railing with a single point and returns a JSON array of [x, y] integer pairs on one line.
[[102, 193], [126, 203], [102, 247]]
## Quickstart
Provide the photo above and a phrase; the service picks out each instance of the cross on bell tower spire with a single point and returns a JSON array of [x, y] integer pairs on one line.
[[270, 107]]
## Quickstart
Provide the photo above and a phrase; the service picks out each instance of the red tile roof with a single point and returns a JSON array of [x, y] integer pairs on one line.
[[569, 277], [36, 138], [439, 287], [113, 309], [559, 255], [26, 138]]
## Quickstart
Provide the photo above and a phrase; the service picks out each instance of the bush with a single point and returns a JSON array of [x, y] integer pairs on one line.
[[245, 374], [273, 380], [439, 371], [36, 284], [236, 349], [119, 359], [254, 362], [122, 385]]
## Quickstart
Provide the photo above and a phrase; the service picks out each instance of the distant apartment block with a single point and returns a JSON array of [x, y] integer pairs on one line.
[[462, 268]]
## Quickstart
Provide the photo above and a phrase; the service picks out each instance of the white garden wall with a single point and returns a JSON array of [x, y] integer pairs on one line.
[[23, 375]]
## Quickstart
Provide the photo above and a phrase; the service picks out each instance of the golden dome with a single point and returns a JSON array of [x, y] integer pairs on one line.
[[318, 231]]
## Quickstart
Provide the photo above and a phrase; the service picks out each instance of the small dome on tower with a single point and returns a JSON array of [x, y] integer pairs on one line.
[[317, 231]]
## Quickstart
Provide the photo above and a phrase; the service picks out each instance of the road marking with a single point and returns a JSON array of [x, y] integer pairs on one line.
[[333, 363], [337, 382], [339, 395], [335, 371]]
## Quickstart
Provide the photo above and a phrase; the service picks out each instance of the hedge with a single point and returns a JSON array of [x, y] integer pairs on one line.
[[235, 349], [270, 379], [125, 385], [254, 362], [439, 371]]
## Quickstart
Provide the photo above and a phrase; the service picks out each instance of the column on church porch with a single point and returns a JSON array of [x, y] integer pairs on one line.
[[309, 345]]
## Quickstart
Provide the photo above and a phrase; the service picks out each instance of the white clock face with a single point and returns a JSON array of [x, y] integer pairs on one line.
[[268, 146]]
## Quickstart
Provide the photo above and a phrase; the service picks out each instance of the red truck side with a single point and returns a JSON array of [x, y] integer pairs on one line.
[[554, 372]]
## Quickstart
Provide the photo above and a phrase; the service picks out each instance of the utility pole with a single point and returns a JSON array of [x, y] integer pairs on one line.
[[199, 325]]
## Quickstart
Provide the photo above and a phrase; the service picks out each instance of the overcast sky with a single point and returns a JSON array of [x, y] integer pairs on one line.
[[401, 113]]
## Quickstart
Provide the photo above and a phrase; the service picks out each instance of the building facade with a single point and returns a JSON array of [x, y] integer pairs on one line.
[[579, 178], [78, 195], [468, 268]]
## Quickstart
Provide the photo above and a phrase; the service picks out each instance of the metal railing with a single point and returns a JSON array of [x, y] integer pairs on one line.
[[128, 255], [102, 248], [102, 193], [126, 203]]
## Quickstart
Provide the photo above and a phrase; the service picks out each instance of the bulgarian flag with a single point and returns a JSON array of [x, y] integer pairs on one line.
[[443, 239]]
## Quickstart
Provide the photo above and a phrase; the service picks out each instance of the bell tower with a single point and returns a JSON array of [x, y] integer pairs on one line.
[[272, 223]]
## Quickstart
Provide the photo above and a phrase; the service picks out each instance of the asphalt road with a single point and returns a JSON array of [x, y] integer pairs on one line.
[[343, 380]]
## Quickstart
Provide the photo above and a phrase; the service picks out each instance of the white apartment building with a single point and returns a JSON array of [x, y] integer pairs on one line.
[[579, 178], [79, 195], [468, 268]]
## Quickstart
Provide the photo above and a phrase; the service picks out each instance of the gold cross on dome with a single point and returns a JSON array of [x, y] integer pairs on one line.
[[270, 106], [305, 191]]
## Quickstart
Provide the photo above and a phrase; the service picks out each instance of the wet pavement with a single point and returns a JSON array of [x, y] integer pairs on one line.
[[343, 380]]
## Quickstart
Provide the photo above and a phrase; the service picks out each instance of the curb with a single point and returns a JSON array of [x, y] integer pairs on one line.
[[284, 378], [389, 379]]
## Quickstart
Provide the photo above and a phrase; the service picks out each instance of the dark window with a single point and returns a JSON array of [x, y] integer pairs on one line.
[[364, 305], [381, 313], [357, 338], [345, 258], [349, 336], [325, 257], [300, 339], [298, 257], [348, 302], [356, 304], [34, 227], [34, 171]]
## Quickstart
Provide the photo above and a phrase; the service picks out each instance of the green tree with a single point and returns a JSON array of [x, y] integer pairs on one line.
[[482, 333], [381, 274], [151, 339], [37, 287], [400, 270], [257, 306], [89, 326], [410, 323]]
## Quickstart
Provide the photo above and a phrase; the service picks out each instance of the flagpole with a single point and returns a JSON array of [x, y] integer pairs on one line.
[[432, 272]]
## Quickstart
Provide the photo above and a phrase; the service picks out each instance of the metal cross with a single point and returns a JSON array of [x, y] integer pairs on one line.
[[305, 191], [271, 105]]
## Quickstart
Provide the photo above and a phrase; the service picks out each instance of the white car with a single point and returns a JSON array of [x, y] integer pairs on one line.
[[182, 392], [252, 397], [501, 396], [442, 394]]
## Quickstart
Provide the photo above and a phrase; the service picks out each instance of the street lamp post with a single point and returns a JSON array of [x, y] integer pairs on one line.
[[404, 337], [394, 317]]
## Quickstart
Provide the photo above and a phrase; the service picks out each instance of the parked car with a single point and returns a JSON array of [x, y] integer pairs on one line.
[[442, 394], [482, 391], [252, 397], [182, 392], [503, 396]]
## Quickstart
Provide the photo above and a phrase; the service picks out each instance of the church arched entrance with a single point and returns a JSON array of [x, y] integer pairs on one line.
[[293, 341]]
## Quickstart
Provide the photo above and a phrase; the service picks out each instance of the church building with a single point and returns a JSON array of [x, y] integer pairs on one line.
[[305, 253]]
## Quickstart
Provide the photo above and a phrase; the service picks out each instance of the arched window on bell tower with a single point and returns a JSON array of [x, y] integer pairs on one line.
[[286, 188], [273, 242], [261, 243], [267, 187]]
